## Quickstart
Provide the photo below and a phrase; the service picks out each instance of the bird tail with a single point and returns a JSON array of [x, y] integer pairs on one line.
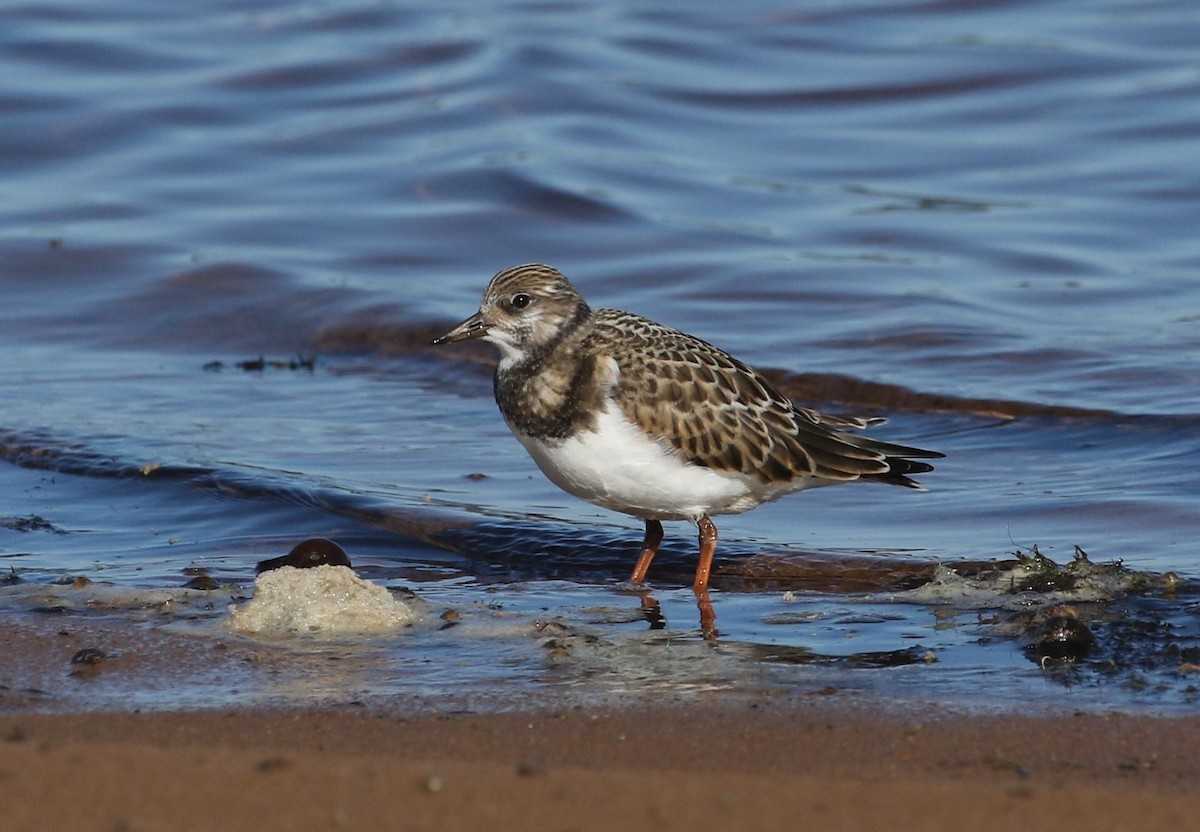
[[901, 460], [898, 472]]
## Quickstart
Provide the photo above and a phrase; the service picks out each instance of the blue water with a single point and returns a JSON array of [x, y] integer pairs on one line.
[[988, 209]]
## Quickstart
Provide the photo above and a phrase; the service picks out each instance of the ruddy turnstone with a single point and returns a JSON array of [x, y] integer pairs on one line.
[[646, 420]]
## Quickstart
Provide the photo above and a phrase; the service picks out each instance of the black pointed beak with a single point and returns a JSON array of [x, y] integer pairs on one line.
[[472, 327]]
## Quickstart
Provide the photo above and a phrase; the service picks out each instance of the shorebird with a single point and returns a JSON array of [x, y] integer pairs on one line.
[[649, 421]]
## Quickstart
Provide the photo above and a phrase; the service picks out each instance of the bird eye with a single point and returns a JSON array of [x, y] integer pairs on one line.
[[521, 300]]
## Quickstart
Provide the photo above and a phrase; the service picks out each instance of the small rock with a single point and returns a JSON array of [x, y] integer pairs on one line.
[[316, 551], [89, 655]]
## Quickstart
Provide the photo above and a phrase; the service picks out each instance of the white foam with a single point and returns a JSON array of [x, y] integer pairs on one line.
[[1034, 581], [323, 599]]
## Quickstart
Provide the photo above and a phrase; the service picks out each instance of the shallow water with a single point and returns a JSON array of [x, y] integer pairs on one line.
[[976, 219]]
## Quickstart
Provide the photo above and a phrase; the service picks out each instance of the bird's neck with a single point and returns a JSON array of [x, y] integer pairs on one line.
[[549, 391]]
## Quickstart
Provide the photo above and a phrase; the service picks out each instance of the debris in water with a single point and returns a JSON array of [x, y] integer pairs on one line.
[[1054, 632], [324, 599], [1035, 579], [316, 551], [89, 655]]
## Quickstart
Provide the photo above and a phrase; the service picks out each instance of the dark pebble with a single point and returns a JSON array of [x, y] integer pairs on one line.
[[272, 764], [316, 551], [89, 655], [1062, 637], [202, 582]]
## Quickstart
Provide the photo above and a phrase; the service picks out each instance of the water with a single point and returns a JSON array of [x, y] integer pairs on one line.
[[986, 211]]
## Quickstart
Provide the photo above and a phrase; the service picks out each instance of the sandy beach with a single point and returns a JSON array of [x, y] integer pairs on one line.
[[749, 765], [823, 760]]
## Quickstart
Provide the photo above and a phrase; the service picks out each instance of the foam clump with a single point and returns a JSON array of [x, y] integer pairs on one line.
[[1034, 580], [323, 599]]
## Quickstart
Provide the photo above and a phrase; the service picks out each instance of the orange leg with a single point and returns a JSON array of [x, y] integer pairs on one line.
[[654, 536], [708, 547]]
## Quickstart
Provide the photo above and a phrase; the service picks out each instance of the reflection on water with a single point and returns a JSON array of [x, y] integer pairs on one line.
[[909, 210], [463, 645]]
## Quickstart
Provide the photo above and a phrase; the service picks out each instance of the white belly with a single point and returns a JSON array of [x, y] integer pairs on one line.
[[620, 468]]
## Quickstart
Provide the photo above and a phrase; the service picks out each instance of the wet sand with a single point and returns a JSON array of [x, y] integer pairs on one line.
[[829, 760], [743, 766]]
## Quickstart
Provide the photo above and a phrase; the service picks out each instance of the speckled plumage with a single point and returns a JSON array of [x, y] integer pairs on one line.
[[717, 412], [606, 401]]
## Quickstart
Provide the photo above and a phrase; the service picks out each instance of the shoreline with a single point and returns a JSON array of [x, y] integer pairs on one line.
[[75, 755]]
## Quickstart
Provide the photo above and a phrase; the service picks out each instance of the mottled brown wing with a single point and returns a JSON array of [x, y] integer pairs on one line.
[[719, 413]]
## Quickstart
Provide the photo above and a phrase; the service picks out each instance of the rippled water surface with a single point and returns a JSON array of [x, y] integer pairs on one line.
[[977, 219]]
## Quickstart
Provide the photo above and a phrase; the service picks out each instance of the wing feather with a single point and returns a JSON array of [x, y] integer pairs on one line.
[[719, 413]]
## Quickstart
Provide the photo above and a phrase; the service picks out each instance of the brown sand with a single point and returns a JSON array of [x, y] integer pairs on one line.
[[816, 762], [728, 766]]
